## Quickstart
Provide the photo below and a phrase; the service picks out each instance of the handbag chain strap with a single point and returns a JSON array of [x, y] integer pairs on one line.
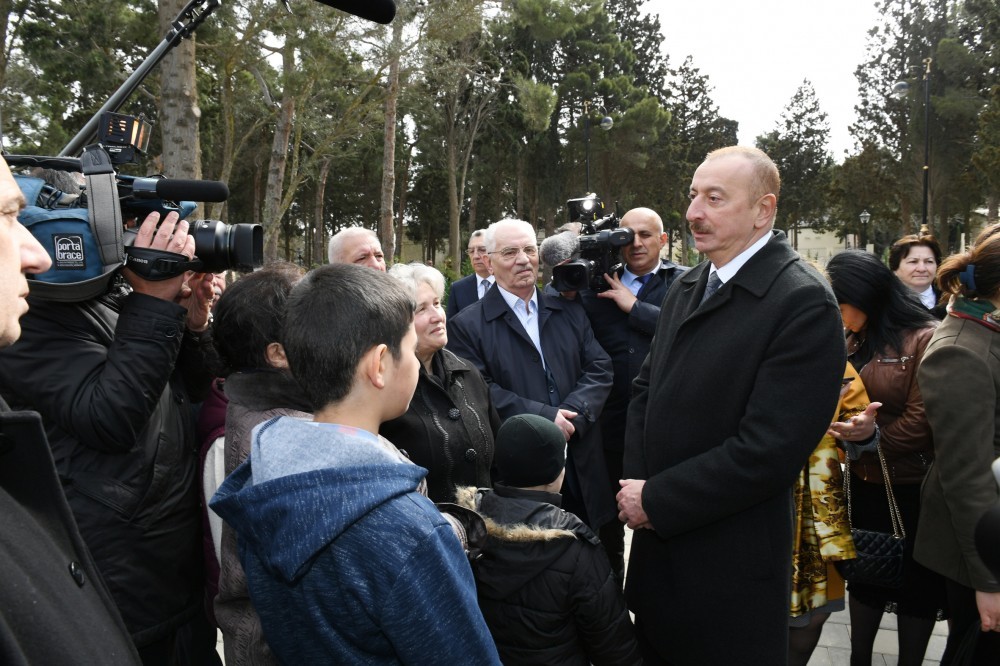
[[898, 531]]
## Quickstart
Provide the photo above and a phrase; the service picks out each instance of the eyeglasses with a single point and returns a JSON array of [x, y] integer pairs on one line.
[[473, 251], [512, 252]]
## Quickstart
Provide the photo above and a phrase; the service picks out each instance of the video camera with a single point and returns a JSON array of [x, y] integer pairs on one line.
[[597, 247], [218, 246], [85, 233]]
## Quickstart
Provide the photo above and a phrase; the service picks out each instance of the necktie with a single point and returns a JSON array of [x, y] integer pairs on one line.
[[643, 280], [714, 282], [486, 286]]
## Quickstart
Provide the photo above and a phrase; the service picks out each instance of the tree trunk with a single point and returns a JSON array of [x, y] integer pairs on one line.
[[454, 208], [279, 161], [179, 112], [385, 226], [473, 210], [404, 190], [319, 224]]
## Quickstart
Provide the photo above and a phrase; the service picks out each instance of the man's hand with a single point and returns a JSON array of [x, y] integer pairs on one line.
[[989, 610], [172, 236], [619, 292], [629, 500], [564, 419], [198, 296], [858, 428]]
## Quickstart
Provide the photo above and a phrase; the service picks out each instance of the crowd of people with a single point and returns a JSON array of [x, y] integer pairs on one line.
[[383, 472]]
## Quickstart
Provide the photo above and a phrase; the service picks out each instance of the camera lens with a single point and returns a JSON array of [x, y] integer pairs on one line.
[[572, 276], [221, 246]]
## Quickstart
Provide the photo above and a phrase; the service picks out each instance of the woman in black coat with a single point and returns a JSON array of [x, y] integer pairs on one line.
[[451, 421]]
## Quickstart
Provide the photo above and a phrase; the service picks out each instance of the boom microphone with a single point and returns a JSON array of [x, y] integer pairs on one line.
[[177, 189], [380, 11], [558, 248]]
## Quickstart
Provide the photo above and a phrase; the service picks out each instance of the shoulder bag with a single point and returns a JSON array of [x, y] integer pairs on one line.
[[880, 554]]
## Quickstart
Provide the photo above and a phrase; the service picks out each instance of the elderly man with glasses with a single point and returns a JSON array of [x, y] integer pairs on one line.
[[539, 356], [471, 288]]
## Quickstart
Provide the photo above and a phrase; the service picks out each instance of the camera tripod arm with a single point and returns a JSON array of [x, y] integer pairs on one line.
[[193, 14]]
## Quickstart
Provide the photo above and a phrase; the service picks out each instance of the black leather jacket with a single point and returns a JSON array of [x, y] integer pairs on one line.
[[102, 373]]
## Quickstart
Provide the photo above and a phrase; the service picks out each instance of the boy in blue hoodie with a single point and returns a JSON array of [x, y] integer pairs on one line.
[[346, 561]]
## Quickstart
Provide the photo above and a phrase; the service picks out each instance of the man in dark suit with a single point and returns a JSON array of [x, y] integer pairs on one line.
[[623, 318], [539, 356], [471, 288], [739, 386], [54, 605]]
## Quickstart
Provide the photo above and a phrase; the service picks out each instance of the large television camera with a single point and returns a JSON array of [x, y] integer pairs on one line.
[[89, 232], [597, 248], [218, 246]]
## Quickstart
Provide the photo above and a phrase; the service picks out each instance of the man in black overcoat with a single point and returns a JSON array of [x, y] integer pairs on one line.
[[54, 606], [539, 356], [738, 388], [624, 318]]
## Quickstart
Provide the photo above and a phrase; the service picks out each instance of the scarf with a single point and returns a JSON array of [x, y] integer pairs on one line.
[[980, 311]]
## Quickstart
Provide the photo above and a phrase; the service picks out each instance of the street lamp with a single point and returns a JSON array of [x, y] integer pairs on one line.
[[864, 217], [606, 124], [900, 90]]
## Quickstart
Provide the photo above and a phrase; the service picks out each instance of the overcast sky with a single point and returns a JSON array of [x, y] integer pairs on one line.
[[756, 54]]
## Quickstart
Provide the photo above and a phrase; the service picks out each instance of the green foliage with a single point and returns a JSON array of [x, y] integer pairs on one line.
[[537, 102], [798, 147], [498, 108]]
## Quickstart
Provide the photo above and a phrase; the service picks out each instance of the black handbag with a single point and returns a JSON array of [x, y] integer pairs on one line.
[[880, 554]]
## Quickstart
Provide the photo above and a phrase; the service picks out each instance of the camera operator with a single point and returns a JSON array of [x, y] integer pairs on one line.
[[623, 318], [54, 608], [111, 378]]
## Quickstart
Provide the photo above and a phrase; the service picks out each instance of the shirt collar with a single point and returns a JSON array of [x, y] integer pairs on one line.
[[928, 298], [727, 272], [628, 277], [512, 299]]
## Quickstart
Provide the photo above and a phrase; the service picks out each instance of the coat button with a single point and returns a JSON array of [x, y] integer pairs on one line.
[[471, 455], [454, 414], [76, 571]]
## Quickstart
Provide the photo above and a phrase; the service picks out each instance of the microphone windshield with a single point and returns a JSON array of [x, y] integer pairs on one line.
[[558, 248]]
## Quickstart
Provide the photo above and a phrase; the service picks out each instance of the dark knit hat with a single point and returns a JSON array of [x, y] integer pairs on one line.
[[530, 451]]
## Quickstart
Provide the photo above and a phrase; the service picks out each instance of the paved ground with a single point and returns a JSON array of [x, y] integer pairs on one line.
[[834, 647]]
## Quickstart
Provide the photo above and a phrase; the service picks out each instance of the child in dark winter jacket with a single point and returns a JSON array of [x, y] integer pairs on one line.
[[545, 584], [346, 562]]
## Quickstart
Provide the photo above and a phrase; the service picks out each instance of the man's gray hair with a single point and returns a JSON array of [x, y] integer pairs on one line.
[[333, 251], [507, 223], [413, 274]]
